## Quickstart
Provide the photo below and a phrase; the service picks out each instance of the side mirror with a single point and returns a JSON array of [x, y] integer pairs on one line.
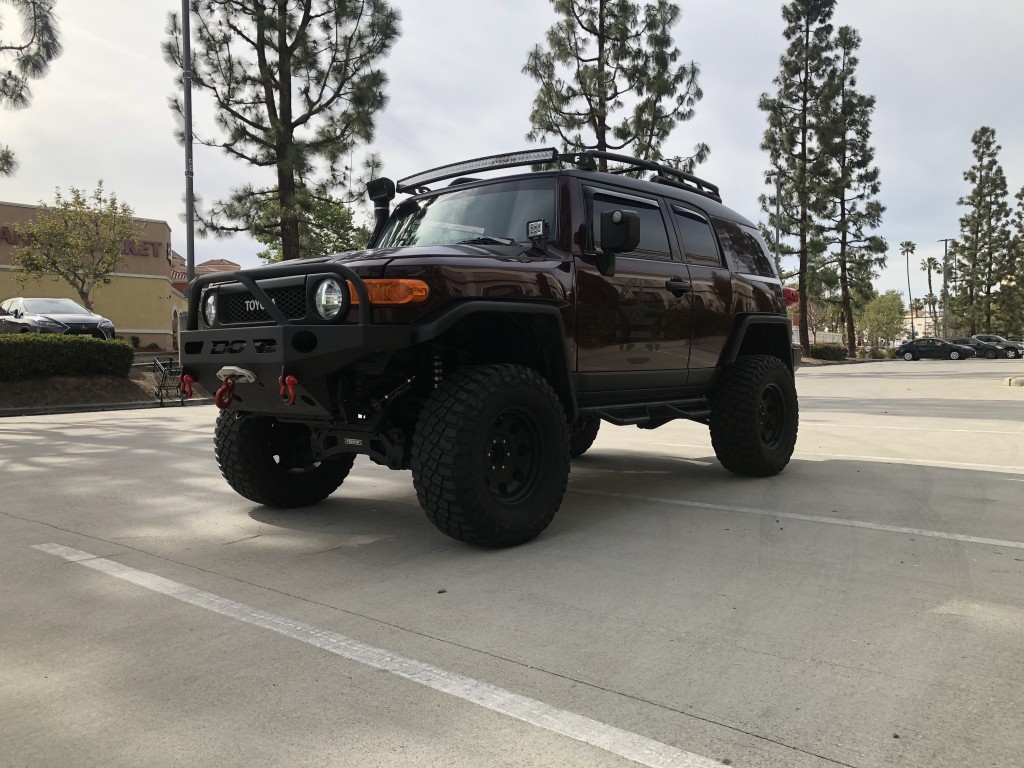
[[620, 233], [16, 313]]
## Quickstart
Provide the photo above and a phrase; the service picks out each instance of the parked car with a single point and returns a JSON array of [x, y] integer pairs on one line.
[[934, 348], [21, 315], [1013, 348], [982, 348]]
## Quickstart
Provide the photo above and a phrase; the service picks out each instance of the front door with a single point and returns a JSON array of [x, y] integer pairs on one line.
[[633, 327]]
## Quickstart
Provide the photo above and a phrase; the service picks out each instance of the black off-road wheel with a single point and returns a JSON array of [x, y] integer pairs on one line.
[[754, 416], [582, 434], [490, 455], [271, 462]]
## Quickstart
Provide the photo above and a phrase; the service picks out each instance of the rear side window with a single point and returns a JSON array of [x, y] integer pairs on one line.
[[744, 249], [699, 244], [653, 235]]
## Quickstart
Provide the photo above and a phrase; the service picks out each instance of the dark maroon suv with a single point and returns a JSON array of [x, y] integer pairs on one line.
[[488, 329]]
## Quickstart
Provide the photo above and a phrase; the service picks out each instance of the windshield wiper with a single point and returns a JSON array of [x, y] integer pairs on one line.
[[487, 240]]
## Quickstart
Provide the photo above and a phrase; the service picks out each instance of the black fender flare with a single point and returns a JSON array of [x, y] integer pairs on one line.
[[557, 357], [781, 345]]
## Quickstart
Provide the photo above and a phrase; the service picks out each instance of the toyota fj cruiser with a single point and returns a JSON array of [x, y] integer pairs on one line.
[[488, 329]]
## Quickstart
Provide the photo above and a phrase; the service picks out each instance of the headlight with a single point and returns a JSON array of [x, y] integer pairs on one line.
[[210, 309], [331, 298], [46, 322], [105, 324]]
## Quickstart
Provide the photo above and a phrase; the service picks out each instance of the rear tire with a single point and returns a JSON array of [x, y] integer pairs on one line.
[[582, 434], [271, 462], [490, 455], [755, 416], [990, 354]]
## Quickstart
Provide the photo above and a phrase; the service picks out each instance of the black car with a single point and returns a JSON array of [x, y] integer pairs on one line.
[[64, 316], [1013, 348], [935, 348], [982, 348]]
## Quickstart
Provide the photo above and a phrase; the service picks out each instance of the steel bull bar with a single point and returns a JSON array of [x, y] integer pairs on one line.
[[282, 367]]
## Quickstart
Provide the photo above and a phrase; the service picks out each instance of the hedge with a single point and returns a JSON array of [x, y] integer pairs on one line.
[[828, 351], [32, 355]]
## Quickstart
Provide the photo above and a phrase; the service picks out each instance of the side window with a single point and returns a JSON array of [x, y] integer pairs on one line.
[[5, 307], [699, 244], [743, 249], [653, 235]]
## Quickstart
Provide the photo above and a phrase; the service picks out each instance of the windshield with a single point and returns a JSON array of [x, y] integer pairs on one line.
[[53, 307], [497, 211]]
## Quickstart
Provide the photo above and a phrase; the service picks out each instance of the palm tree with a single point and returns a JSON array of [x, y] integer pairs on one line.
[[907, 248], [930, 265]]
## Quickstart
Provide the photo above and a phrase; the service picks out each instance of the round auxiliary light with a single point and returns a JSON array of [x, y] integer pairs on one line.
[[330, 298], [210, 308]]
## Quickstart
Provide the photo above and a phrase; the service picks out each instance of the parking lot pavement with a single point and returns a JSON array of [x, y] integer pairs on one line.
[[863, 608]]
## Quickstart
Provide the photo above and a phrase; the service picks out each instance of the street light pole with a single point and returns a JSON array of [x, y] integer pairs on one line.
[[945, 285], [186, 78]]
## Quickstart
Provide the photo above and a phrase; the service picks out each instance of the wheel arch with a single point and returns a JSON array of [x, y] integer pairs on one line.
[[759, 335], [507, 332]]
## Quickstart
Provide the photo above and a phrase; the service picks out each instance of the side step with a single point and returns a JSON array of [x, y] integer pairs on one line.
[[651, 415]]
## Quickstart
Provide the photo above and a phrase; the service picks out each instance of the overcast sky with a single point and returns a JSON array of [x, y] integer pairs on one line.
[[939, 69]]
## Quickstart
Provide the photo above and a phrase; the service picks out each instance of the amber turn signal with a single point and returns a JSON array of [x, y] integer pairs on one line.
[[392, 293]]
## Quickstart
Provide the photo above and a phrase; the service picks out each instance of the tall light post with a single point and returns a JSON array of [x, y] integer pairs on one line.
[[186, 79], [945, 285]]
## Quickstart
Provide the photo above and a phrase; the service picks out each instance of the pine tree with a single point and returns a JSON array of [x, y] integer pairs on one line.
[[296, 88], [984, 248], [793, 136], [1010, 307], [29, 54], [605, 57], [851, 184]]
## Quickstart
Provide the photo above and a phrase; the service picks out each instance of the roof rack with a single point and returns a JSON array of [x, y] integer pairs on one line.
[[664, 174]]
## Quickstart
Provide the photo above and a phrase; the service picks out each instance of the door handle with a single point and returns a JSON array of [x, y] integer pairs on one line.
[[678, 287]]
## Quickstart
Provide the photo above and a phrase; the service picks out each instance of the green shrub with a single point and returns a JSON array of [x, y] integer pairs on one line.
[[828, 351], [32, 355]]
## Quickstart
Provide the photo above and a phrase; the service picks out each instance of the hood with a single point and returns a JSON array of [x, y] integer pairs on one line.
[[71, 319], [385, 255]]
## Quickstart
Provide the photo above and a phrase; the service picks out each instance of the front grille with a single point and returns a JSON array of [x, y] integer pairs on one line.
[[242, 308]]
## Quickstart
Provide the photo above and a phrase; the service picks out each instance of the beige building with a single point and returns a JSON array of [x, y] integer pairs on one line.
[[139, 299]]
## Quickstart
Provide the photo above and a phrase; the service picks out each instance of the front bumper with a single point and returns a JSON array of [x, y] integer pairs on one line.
[[311, 353]]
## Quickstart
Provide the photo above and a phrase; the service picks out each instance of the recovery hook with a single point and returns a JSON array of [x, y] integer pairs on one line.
[[287, 384]]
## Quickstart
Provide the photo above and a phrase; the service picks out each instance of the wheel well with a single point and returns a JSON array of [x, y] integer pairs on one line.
[[760, 338], [533, 341]]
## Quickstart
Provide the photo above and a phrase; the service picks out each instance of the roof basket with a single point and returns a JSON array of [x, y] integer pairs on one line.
[[663, 174]]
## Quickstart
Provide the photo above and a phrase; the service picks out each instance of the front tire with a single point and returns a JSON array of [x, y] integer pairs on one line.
[[755, 416], [271, 462], [1011, 354], [954, 355], [908, 356], [490, 455]]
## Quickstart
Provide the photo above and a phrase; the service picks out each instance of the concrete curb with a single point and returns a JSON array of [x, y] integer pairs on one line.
[[58, 409], [1014, 381]]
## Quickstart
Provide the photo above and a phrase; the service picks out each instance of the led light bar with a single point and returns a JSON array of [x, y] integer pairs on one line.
[[508, 160]]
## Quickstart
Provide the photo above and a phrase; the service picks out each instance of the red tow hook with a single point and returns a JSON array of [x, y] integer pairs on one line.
[[226, 394], [185, 382], [287, 384]]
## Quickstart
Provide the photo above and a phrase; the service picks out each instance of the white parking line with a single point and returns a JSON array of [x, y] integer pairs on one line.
[[811, 519], [883, 459], [908, 428], [625, 744]]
